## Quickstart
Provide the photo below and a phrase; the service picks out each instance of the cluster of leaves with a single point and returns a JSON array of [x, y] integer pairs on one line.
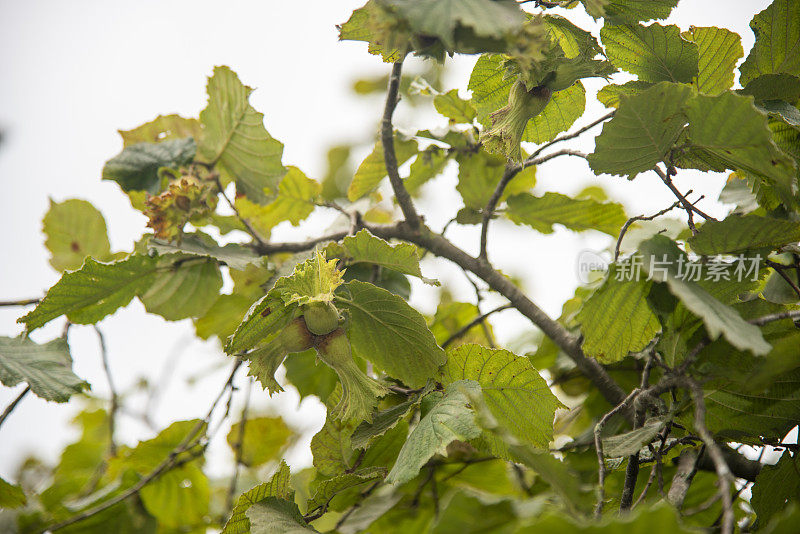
[[431, 426]]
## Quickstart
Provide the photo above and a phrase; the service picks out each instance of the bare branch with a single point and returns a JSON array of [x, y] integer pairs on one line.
[[778, 269], [682, 479], [238, 447], [724, 475], [598, 445], [509, 174], [21, 302], [478, 320], [690, 208], [389, 155], [112, 410], [632, 220], [10, 407], [250, 229]]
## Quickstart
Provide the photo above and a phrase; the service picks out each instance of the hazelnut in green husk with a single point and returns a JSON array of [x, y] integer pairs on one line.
[[508, 122], [321, 317], [264, 361], [359, 392]]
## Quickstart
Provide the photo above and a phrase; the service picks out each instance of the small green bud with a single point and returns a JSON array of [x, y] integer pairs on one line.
[[321, 317]]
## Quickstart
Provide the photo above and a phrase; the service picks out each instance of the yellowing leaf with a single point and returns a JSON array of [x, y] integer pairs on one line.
[[75, 229], [373, 169], [235, 140], [263, 439]]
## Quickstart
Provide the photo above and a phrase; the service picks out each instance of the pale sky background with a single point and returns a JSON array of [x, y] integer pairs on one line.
[[72, 73]]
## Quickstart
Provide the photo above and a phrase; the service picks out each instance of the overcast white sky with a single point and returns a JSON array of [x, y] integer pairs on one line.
[[72, 73]]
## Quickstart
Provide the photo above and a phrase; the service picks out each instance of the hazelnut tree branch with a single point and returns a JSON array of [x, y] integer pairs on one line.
[[389, 155]]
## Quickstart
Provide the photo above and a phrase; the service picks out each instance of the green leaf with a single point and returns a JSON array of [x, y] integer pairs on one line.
[[428, 164], [233, 255], [264, 319], [187, 290], [773, 87], [631, 442], [276, 516], [661, 519], [178, 497], [730, 129], [366, 248], [609, 337], [480, 172], [440, 18], [738, 234], [162, 128], [776, 487], [489, 86], [554, 208], [719, 50], [563, 109], [222, 317], [630, 10], [11, 496], [718, 318], [385, 420], [310, 377], [777, 31], [642, 131], [388, 332], [326, 490], [295, 202], [654, 53], [47, 368], [75, 229], [314, 280], [264, 439], [515, 393], [373, 169], [467, 514], [94, 291], [611, 94], [330, 447], [448, 420], [136, 167], [234, 138], [454, 108], [277, 487]]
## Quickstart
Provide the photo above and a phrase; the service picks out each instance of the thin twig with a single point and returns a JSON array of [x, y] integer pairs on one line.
[[21, 302], [476, 321], [170, 462], [389, 155], [238, 448], [598, 444], [794, 315], [112, 410], [510, 172], [724, 475], [641, 218], [249, 227], [777, 267], [10, 407], [690, 208]]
